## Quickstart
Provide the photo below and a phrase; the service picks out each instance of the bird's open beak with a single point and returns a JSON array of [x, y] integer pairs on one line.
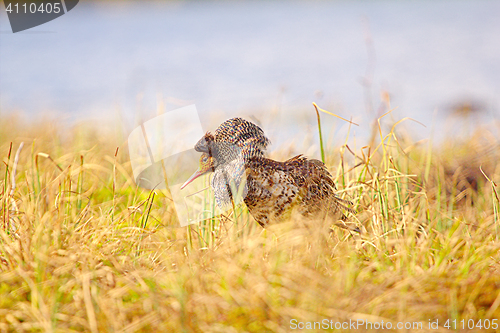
[[195, 175]]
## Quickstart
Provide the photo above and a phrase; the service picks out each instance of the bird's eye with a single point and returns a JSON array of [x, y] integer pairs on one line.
[[204, 159]]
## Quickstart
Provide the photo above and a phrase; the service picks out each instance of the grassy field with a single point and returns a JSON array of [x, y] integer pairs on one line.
[[83, 249]]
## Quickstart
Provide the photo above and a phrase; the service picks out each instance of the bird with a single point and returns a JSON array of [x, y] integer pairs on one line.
[[234, 153]]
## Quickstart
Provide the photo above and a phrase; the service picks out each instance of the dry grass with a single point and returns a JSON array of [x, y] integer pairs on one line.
[[83, 249]]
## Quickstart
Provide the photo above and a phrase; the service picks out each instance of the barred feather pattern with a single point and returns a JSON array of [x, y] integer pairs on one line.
[[232, 134], [227, 179]]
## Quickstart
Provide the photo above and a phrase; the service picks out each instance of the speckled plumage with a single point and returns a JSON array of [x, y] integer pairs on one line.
[[272, 188], [275, 187]]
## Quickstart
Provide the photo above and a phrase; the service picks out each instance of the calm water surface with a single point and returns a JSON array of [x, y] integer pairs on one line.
[[257, 58]]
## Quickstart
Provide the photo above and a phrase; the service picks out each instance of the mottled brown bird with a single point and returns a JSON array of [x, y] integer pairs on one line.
[[270, 189]]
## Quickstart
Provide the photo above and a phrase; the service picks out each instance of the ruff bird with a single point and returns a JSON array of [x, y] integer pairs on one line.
[[270, 189]]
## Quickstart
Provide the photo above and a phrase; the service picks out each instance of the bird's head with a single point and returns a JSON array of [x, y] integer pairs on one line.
[[204, 145], [206, 165]]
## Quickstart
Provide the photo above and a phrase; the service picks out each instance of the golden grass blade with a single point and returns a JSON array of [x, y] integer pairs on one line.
[[333, 114]]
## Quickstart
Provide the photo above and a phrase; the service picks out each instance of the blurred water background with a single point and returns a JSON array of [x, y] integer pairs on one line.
[[437, 61]]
